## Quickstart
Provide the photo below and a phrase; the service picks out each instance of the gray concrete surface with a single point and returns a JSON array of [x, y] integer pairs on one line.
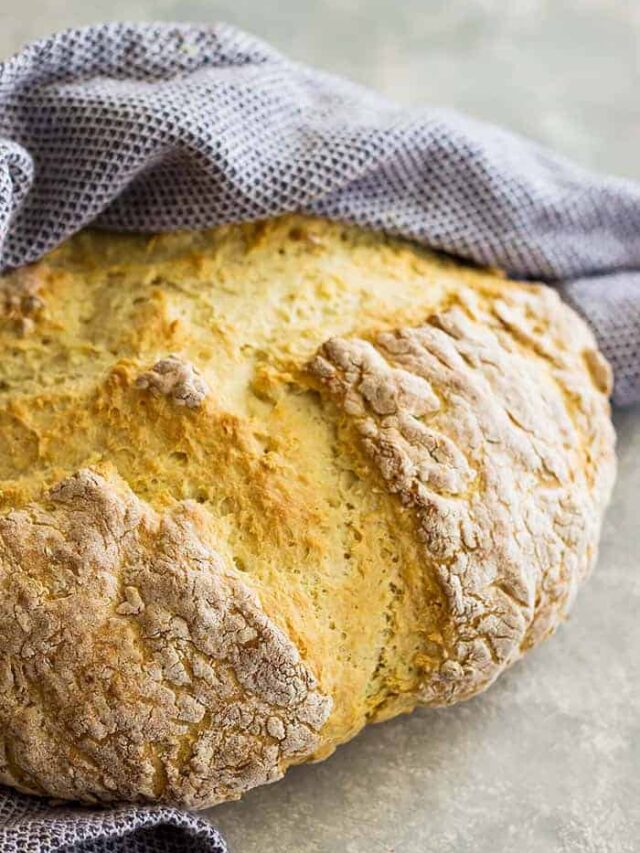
[[548, 759]]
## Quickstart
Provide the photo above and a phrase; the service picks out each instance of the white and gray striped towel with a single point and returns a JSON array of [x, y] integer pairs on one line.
[[149, 127]]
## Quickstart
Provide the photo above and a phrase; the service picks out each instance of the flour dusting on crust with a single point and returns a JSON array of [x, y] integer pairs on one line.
[[134, 664], [177, 379], [500, 445]]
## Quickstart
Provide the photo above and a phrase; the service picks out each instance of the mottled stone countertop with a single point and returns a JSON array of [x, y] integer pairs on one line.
[[549, 758]]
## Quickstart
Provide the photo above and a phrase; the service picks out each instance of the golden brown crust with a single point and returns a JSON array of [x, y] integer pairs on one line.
[[20, 300], [365, 477]]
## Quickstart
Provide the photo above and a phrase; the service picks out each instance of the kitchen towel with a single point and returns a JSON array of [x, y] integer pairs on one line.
[[147, 127], [29, 825]]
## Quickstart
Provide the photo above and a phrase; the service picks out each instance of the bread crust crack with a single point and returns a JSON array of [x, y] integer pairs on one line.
[[475, 441]]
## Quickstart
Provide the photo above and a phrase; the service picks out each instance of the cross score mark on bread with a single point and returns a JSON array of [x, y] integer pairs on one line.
[[262, 485]]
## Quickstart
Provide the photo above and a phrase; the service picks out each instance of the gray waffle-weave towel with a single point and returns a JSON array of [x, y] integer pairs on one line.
[[29, 825], [151, 127]]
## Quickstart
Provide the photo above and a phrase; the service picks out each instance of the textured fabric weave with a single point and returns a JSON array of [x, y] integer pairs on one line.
[[149, 127], [29, 825]]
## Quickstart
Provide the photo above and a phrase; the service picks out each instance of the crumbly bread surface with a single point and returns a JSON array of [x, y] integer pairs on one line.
[[264, 484]]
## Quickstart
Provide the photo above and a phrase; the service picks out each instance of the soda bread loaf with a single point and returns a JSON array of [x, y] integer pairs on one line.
[[264, 484]]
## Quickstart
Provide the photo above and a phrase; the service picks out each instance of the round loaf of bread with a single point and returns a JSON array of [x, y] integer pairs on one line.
[[264, 484]]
